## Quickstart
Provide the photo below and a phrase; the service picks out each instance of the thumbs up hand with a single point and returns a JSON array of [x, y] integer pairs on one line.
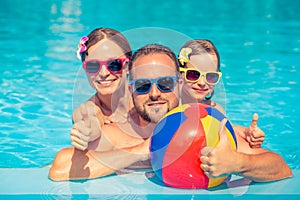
[[254, 135], [220, 160], [87, 125]]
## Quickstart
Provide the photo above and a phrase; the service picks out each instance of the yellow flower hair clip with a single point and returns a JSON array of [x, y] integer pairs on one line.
[[184, 55]]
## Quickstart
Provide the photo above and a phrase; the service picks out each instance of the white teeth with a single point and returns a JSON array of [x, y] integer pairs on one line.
[[104, 82]]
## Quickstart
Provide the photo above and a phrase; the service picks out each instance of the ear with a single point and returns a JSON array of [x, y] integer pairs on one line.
[[125, 72], [180, 84], [130, 88], [127, 77], [180, 80], [126, 62]]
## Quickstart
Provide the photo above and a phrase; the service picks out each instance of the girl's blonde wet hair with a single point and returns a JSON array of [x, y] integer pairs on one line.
[[198, 47]]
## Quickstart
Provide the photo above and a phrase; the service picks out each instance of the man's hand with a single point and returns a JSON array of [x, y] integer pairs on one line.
[[87, 125], [145, 149], [254, 135], [220, 160]]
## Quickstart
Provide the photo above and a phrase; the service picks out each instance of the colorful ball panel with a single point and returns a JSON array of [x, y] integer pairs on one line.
[[177, 142]]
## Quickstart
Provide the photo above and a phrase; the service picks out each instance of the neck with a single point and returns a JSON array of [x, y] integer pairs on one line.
[[104, 102], [146, 128], [144, 123], [142, 127]]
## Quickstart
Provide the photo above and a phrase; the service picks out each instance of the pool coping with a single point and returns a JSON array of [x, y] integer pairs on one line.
[[35, 181]]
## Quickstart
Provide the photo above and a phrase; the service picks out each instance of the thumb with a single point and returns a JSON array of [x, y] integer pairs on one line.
[[206, 150], [95, 128], [91, 108], [76, 115], [254, 120], [83, 111], [87, 122], [222, 131]]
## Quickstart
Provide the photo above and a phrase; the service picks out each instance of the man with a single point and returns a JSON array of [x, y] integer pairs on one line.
[[155, 88]]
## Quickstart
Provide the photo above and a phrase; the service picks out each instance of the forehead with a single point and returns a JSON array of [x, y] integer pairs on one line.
[[204, 62], [104, 49], [153, 66]]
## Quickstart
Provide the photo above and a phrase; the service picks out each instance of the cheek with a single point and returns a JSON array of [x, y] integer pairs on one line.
[[118, 78], [117, 75], [191, 84], [211, 87], [173, 100], [91, 80], [91, 77], [188, 86], [139, 99]]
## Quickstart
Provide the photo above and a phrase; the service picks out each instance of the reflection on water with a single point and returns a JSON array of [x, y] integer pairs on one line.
[[259, 44]]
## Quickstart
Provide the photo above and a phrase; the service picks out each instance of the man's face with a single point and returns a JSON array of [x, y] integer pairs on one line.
[[154, 103]]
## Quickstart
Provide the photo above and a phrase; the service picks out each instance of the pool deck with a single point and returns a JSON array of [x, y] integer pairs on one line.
[[34, 183]]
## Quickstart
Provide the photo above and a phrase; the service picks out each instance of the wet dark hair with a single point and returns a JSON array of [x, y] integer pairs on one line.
[[153, 49], [99, 34]]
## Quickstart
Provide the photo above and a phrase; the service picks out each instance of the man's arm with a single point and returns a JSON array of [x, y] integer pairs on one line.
[[256, 164], [262, 167], [74, 164], [114, 150], [252, 134]]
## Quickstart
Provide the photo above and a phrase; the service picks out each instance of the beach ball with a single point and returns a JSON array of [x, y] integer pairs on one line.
[[176, 144]]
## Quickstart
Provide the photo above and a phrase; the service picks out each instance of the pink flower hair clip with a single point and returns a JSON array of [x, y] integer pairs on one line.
[[81, 46]]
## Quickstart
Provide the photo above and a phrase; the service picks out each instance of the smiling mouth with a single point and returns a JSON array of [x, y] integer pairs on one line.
[[156, 103], [104, 82], [200, 90]]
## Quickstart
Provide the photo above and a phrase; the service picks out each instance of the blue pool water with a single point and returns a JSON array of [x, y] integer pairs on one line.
[[41, 80]]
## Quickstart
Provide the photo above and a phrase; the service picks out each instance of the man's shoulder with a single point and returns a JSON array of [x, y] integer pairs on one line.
[[119, 129], [120, 137], [111, 127]]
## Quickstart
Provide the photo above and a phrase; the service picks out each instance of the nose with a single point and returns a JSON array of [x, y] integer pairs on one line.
[[154, 93], [103, 71], [201, 80]]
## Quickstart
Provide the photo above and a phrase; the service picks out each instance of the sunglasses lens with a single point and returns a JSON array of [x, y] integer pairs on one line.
[[212, 77], [192, 75], [92, 67], [166, 84], [142, 86], [115, 65]]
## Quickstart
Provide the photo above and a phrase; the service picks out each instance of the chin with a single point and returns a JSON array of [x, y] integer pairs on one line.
[[156, 115], [156, 118], [107, 90], [199, 97]]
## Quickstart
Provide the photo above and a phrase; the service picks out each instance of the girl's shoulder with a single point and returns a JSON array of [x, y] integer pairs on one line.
[[217, 106]]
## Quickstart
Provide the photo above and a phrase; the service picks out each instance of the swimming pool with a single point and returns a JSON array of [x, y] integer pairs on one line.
[[259, 47]]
